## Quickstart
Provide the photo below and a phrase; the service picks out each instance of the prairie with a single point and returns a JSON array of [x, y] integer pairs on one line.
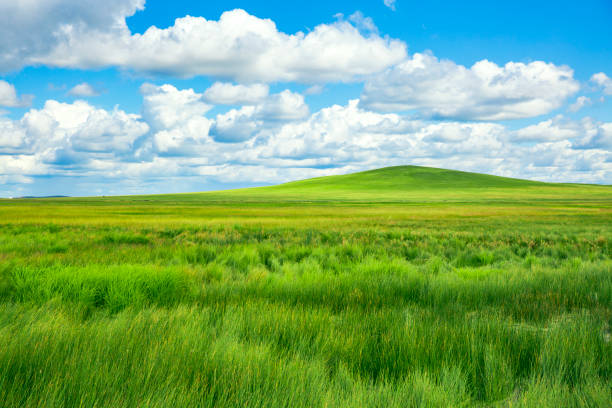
[[398, 287]]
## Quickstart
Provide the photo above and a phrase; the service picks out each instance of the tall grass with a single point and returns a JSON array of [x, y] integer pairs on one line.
[[366, 305]]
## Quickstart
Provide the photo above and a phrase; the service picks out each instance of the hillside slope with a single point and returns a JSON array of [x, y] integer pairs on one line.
[[399, 184], [404, 178], [414, 183]]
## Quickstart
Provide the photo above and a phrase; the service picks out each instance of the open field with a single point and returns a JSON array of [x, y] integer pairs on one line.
[[394, 288]]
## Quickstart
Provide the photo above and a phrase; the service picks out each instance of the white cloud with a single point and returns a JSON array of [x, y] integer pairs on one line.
[[584, 134], [238, 46], [580, 103], [83, 90], [222, 93], [314, 90], [63, 133], [9, 98], [12, 136], [166, 106], [603, 81], [61, 129], [176, 118], [114, 131], [484, 91], [284, 106], [363, 23], [348, 137], [15, 166], [30, 29], [465, 139], [345, 135], [239, 125], [390, 4], [551, 130], [595, 136], [174, 146], [65, 140]]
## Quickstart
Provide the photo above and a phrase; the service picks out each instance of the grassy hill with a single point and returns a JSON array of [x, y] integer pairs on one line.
[[403, 178], [401, 184]]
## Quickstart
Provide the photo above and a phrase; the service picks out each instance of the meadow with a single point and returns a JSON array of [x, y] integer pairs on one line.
[[400, 287]]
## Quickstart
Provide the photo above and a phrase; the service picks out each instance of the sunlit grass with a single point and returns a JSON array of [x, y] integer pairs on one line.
[[123, 302]]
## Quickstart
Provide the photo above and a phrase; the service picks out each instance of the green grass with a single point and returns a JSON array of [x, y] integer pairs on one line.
[[397, 287]]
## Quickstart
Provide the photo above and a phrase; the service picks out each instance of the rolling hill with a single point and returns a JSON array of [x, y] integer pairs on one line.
[[405, 178], [399, 184], [414, 183]]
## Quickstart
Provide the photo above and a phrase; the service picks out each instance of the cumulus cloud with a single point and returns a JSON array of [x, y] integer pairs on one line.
[[603, 81], [83, 90], [9, 98], [222, 93], [595, 135], [242, 124], [179, 142], [17, 168], [66, 140], [237, 125], [166, 106], [31, 29], [484, 91], [349, 138], [177, 118], [175, 144], [550, 130], [338, 134], [12, 136], [348, 135], [584, 134], [238, 46], [63, 131], [70, 133], [580, 103], [284, 106]]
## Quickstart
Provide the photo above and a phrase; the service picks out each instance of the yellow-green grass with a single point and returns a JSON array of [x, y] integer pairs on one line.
[[472, 291]]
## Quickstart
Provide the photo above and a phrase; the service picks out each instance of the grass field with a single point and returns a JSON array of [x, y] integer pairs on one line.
[[399, 287]]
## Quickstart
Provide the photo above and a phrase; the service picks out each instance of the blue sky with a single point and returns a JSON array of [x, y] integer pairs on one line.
[[132, 97]]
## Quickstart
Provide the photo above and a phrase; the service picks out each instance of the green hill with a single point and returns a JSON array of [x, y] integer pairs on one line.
[[414, 183], [400, 184], [406, 178]]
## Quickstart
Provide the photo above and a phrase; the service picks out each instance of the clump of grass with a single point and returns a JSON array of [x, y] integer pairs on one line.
[[124, 238], [112, 287]]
